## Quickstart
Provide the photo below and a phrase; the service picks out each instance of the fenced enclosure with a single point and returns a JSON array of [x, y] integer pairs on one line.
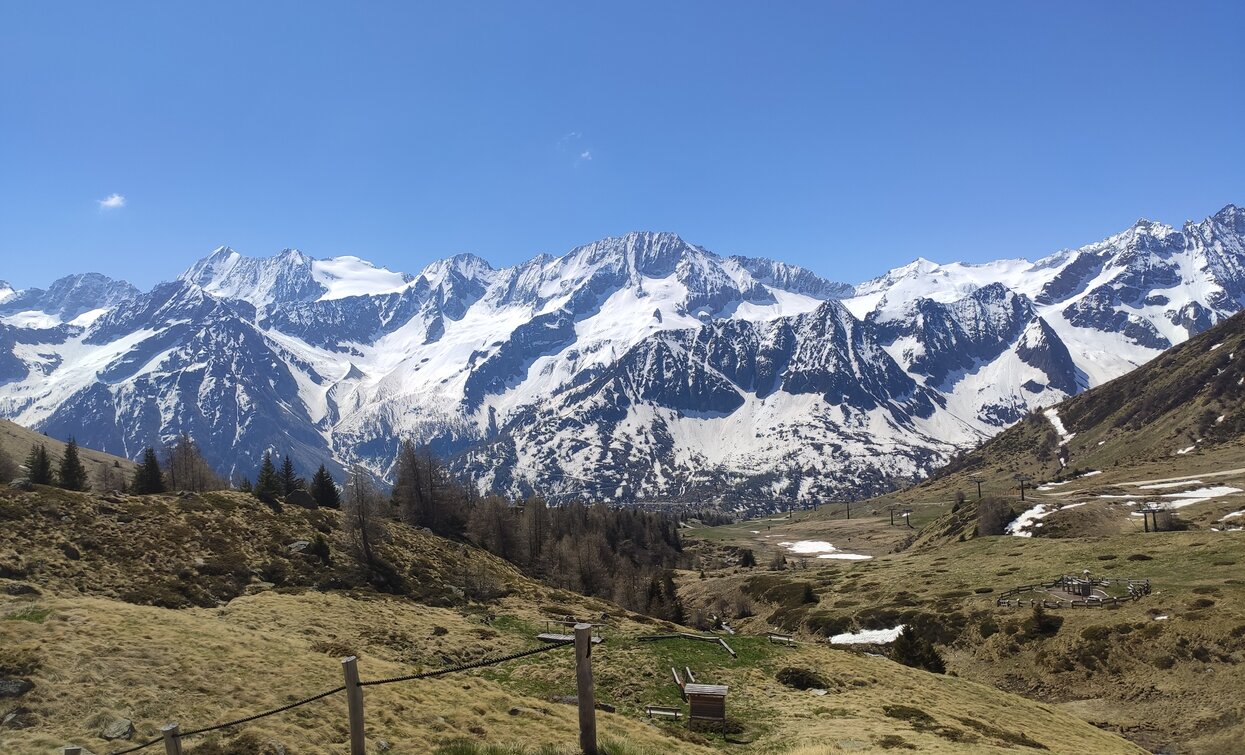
[[1084, 591]]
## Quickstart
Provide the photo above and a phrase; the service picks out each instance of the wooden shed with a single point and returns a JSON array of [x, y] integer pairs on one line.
[[706, 701]]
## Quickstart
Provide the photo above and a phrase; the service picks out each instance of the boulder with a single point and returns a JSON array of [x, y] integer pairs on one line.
[[302, 499], [298, 546], [121, 728], [15, 687], [21, 588], [22, 483]]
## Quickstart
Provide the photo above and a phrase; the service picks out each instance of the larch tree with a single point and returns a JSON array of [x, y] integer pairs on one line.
[[362, 516], [188, 469], [408, 488]]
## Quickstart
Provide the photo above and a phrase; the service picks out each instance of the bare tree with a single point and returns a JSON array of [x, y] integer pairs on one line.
[[362, 515], [993, 515], [187, 469]]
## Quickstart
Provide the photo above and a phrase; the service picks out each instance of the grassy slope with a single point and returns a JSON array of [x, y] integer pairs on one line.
[[16, 441], [1171, 682], [99, 657]]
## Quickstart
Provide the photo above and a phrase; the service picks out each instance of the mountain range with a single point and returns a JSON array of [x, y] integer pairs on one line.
[[638, 367]]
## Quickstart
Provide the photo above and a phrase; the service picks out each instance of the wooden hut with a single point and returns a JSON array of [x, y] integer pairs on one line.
[[706, 701]]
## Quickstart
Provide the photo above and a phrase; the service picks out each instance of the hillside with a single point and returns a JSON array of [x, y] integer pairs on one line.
[[16, 441], [1171, 435], [204, 608], [1160, 671]]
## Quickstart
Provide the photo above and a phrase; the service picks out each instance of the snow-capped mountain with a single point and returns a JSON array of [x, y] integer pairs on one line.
[[633, 367]]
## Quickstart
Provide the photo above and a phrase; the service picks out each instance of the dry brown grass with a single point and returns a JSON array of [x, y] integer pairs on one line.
[[101, 659], [94, 657]]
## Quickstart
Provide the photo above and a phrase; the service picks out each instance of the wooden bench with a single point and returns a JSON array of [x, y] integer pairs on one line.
[[663, 711], [554, 637], [785, 639]]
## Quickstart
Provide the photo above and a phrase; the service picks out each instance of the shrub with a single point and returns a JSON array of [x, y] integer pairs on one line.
[[801, 678]]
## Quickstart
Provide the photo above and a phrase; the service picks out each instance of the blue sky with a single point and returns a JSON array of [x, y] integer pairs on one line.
[[848, 137]]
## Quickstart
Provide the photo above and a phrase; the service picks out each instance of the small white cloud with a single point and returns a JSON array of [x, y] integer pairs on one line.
[[585, 155], [113, 202]]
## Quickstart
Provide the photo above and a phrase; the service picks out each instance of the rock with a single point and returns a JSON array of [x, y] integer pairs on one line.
[[21, 588], [606, 707], [15, 687], [515, 711], [298, 546], [71, 553], [22, 483], [382, 745], [122, 728], [302, 499]]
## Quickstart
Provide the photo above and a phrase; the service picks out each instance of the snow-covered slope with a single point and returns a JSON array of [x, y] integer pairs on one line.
[[635, 366]]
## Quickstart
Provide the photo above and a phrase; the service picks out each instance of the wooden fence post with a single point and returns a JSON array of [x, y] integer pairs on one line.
[[71, 750], [354, 703], [172, 739], [583, 680]]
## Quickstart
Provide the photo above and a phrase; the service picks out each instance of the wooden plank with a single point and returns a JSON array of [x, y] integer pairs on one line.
[[690, 676], [663, 711]]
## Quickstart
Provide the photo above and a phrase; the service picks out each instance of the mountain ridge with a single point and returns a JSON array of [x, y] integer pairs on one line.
[[337, 359]]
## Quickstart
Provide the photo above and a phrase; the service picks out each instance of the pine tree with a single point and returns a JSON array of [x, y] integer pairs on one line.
[[290, 481], [148, 478], [913, 650], [245, 485], [324, 490], [267, 483], [39, 465], [72, 474]]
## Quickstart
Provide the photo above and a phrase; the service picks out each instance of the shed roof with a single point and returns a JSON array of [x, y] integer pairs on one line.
[[705, 689]]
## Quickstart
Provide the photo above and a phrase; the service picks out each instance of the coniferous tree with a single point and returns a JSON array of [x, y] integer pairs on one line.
[[72, 475], [39, 465], [245, 485], [148, 478], [324, 490], [911, 649], [267, 483], [289, 480]]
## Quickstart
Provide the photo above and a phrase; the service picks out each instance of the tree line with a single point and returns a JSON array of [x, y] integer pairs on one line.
[[622, 554]]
